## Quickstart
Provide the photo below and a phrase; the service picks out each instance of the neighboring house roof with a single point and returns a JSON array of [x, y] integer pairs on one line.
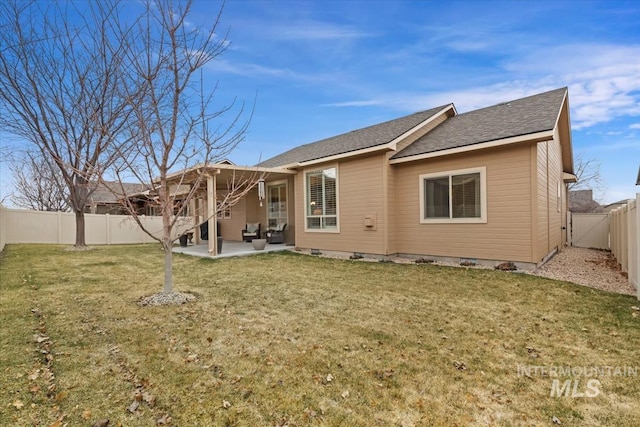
[[104, 192], [521, 117], [581, 201], [615, 205], [371, 136]]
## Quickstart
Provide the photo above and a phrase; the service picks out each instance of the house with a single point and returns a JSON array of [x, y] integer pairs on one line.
[[581, 201], [615, 205], [488, 185], [105, 199]]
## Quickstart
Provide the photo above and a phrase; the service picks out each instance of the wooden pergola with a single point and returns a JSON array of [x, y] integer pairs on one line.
[[219, 177]]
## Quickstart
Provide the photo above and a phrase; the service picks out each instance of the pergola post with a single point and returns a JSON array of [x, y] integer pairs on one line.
[[193, 207], [211, 212]]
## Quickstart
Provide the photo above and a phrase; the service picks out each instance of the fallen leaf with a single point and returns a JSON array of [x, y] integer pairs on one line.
[[61, 395], [461, 366], [345, 394], [86, 414], [34, 374], [41, 338], [17, 404], [149, 398], [101, 423], [164, 420], [226, 404], [329, 378], [133, 407], [555, 420]]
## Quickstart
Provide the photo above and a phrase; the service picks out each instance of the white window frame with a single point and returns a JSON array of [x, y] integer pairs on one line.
[[306, 202], [483, 197], [224, 213], [286, 189]]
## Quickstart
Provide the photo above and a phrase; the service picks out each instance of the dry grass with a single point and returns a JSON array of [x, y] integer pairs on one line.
[[285, 339]]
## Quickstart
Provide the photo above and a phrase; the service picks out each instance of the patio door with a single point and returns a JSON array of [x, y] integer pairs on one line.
[[276, 204]]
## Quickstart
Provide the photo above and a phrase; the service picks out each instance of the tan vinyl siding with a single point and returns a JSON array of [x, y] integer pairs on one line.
[[231, 229], [360, 183], [390, 219], [290, 231], [505, 236], [550, 218], [543, 202], [554, 177]]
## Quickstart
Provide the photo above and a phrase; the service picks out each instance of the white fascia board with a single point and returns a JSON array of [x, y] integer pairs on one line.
[[532, 137]]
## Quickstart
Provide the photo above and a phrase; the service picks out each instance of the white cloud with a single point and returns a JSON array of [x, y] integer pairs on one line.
[[365, 103], [314, 30], [602, 79], [634, 126]]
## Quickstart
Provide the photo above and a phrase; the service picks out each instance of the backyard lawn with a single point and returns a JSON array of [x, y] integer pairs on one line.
[[284, 339]]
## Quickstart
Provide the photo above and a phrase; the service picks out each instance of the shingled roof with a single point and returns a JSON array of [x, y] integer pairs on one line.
[[368, 137], [523, 116], [104, 193]]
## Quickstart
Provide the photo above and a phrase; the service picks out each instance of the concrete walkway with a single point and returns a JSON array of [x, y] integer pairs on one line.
[[229, 249]]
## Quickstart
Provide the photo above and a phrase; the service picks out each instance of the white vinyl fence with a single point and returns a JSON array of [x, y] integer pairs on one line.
[[26, 226], [590, 230], [625, 239]]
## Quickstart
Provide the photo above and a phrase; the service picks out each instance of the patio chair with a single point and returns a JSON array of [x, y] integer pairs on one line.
[[276, 235], [204, 230], [251, 231]]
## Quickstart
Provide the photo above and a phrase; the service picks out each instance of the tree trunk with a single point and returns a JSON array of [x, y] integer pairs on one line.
[[168, 268], [167, 242], [80, 239]]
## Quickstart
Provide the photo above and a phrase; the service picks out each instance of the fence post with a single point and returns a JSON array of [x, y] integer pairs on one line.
[[59, 233], [107, 219], [636, 255]]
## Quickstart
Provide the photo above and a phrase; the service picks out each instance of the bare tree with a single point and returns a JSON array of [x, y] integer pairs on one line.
[[61, 88], [177, 130], [587, 171], [39, 184]]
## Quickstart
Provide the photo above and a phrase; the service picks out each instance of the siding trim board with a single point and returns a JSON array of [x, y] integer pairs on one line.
[[539, 136]]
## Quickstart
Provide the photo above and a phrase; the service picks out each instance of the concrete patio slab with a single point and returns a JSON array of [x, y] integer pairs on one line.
[[229, 249]]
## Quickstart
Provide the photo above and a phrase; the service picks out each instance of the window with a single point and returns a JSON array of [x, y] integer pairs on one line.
[[455, 196], [276, 205], [224, 212], [321, 200]]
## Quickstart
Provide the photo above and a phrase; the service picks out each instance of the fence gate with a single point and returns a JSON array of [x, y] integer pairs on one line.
[[590, 230]]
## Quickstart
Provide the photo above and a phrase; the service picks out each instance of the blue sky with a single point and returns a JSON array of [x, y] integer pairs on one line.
[[320, 68], [327, 67]]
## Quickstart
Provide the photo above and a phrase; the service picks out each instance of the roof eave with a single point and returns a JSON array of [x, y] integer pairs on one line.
[[532, 137], [355, 153]]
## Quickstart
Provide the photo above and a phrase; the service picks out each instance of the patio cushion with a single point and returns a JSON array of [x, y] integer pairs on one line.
[[252, 227]]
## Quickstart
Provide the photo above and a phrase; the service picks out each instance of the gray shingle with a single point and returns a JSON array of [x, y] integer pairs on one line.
[[368, 137], [523, 116], [104, 193]]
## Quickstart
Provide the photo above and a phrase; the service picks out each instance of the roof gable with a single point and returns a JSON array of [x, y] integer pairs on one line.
[[516, 118], [368, 137]]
